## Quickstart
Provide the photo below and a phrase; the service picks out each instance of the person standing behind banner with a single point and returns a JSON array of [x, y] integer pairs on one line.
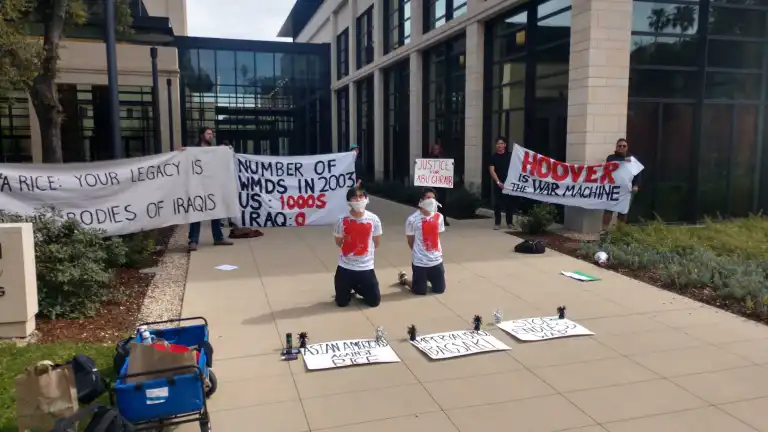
[[358, 165], [205, 139], [499, 168], [357, 234], [422, 231], [621, 154], [436, 152]]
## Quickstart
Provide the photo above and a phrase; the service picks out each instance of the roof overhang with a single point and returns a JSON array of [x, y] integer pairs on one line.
[[297, 19]]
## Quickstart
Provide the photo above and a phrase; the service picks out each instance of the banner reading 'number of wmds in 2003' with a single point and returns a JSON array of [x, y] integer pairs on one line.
[[128, 195], [280, 191], [604, 186]]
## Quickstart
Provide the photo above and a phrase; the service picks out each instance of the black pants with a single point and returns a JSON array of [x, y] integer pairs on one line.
[[435, 275], [502, 202], [363, 282]]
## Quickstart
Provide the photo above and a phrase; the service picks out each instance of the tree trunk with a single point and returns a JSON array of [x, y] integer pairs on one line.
[[44, 96]]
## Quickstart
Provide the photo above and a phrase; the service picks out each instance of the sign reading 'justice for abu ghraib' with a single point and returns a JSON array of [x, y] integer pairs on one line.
[[440, 346], [604, 186], [280, 191], [355, 352], [127, 195]]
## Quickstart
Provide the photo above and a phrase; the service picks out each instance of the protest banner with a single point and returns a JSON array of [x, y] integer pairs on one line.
[[128, 195], [280, 191], [433, 173], [354, 352], [603, 186], [439, 346], [535, 329]]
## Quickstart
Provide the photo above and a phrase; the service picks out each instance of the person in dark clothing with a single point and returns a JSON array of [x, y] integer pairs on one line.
[[436, 152], [498, 168], [621, 154], [359, 169], [205, 139]]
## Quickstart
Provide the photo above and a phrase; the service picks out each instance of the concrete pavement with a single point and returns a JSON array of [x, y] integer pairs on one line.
[[657, 361]]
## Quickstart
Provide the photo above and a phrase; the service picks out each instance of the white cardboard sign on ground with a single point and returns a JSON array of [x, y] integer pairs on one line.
[[226, 267], [439, 346], [543, 328], [354, 352]]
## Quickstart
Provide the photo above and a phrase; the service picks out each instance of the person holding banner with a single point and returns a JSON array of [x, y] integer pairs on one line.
[[620, 154], [357, 234], [499, 168], [205, 139], [422, 231]]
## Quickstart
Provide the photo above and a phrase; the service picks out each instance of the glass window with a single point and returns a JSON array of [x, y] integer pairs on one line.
[[732, 86], [743, 160], [665, 18], [727, 21], [734, 54], [225, 68], [663, 51], [246, 68], [207, 65], [365, 38], [552, 6], [717, 125], [15, 132], [342, 54], [648, 83]]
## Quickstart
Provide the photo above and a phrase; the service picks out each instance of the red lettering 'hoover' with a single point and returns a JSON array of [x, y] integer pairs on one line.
[[591, 176], [529, 162], [357, 236], [576, 171], [559, 171], [608, 170], [430, 233], [544, 167]]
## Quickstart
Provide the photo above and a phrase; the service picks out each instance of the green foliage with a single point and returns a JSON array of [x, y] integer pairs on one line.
[[697, 257], [19, 56], [14, 360], [74, 264], [139, 248], [461, 203], [538, 219]]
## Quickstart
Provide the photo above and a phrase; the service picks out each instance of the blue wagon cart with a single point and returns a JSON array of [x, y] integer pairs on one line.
[[178, 398]]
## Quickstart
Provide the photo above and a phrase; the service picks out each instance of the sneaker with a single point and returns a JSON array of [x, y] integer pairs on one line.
[[192, 247], [402, 278], [496, 227], [510, 226], [223, 243]]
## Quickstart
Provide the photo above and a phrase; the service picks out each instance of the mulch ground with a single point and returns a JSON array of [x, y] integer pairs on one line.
[[116, 318], [569, 246]]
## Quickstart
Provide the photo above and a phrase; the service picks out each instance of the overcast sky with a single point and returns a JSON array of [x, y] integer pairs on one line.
[[237, 19]]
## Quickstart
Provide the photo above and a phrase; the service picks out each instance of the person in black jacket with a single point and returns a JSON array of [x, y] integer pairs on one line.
[[358, 165], [621, 154], [498, 168]]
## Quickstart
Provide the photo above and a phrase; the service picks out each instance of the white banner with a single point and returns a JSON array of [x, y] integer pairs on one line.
[[440, 346], [355, 352], [278, 191], [433, 173], [534, 329], [127, 195], [604, 186]]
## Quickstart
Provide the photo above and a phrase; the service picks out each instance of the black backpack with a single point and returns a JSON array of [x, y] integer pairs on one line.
[[122, 351], [105, 419], [531, 247], [88, 380]]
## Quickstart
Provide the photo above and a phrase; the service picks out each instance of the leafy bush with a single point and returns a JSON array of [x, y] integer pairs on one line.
[[538, 219], [139, 248], [74, 264], [461, 203]]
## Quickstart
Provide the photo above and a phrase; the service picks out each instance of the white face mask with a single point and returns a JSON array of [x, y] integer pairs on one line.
[[358, 206], [430, 205]]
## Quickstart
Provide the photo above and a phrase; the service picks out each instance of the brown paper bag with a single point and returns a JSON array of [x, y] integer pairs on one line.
[[44, 394], [146, 358]]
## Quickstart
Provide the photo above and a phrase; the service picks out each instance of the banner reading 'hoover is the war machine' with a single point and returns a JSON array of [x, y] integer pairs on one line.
[[128, 195], [604, 186], [280, 191]]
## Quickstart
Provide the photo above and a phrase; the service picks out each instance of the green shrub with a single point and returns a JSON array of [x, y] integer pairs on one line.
[[139, 248], [538, 219], [74, 264], [460, 203]]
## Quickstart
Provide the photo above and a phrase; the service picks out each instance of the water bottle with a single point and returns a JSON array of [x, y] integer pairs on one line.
[[144, 335]]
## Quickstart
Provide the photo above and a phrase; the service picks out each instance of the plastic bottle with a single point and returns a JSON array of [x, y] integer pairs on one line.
[[144, 335]]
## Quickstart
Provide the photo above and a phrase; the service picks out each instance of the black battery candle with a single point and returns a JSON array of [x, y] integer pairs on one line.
[[288, 341], [477, 321]]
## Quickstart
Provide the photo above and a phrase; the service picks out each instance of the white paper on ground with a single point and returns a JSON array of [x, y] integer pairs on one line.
[[226, 267], [579, 276], [543, 328]]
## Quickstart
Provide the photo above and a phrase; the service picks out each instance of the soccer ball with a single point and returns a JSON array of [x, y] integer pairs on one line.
[[601, 258]]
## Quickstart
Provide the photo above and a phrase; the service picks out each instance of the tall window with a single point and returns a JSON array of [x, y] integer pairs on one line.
[[15, 133], [365, 38], [438, 12], [342, 54], [697, 104], [365, 122], [342, 104], [397, 24], [444, 89], [396, 117]]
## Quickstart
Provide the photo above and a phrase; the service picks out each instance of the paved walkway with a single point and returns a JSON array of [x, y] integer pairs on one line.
[[658, 362]]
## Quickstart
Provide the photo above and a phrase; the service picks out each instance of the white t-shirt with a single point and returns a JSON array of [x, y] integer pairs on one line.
[[427, 251], [358, 248]]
